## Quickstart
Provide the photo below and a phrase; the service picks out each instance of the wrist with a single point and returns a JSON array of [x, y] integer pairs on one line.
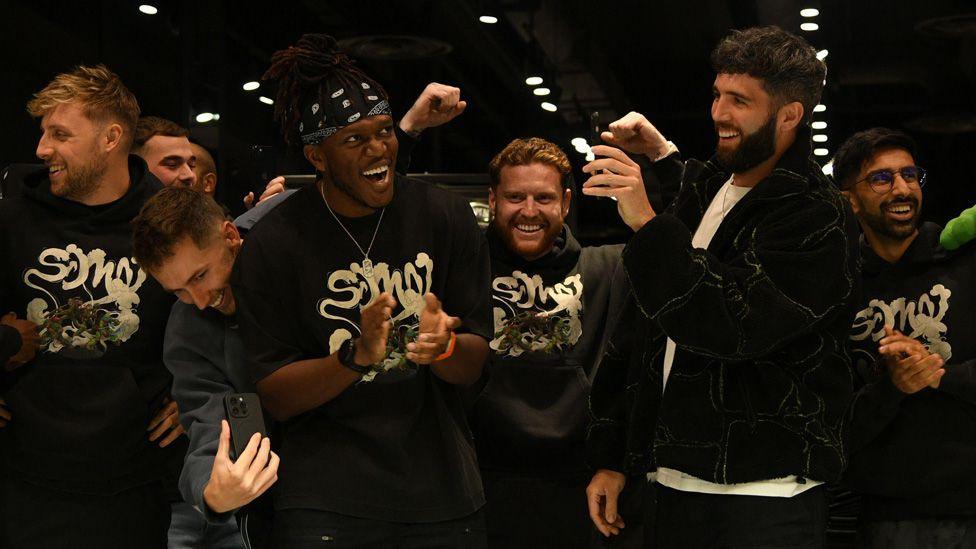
[[640, 221], [410, 127], [360, 358], [213, 502]]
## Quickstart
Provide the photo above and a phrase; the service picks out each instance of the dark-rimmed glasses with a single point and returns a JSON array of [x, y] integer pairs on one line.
[[881, 181]]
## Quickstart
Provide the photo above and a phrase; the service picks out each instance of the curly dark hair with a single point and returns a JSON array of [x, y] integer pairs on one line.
[[859, 148], [302, 71], [785, 63]]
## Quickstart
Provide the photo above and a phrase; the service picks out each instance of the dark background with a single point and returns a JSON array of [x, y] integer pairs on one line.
[[906, 64]]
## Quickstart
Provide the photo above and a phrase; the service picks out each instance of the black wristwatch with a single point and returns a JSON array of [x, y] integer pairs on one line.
[[347, 357]]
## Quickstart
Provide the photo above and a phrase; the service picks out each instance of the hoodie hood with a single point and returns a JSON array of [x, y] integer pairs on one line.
[[561, 258], [142, 185]]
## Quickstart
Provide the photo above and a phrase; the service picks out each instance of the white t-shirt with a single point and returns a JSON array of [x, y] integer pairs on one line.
[[724, 200]]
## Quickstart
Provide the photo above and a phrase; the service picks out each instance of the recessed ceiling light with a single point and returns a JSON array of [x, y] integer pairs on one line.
[[265, 100], [822, 54], [828, 168], [547, 106], [541, 91], [820, 108], [251, 86], [809, 26], [819, 125], [809, 12], [821, 152], [819, 138], [577, 141], [488, 19], [582, 148], [533, 80], [205, 117], [148, 9]]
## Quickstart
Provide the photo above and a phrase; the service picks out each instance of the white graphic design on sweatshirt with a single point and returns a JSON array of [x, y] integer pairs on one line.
[[352, 290], [530, 316], [109, 286], [920, 319]]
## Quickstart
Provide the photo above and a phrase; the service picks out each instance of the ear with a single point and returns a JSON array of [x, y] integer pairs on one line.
[[567, 198], [491, 199], [315, 157], [855, 203], [113, 137], [230, 234], [209, 183], [790, 116]]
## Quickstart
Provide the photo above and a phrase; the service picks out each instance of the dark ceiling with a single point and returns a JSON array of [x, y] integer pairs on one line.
[[902, 63]]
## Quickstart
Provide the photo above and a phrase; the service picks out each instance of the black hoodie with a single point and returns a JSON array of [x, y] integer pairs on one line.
[[531, 416], [913, 455], [80, 415]]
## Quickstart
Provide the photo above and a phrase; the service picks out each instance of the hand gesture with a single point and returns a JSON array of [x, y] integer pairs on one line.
[[619, 177], [438, 104], [273, 187], [374, 329], [30, 340], [436, 328], [166, 420], [235, 484], [601, 495], [910, 365], [634, 134]]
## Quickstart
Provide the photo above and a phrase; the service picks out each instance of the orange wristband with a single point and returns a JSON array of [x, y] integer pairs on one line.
[[450, 348]]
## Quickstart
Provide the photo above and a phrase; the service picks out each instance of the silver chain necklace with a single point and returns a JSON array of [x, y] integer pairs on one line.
[[367, 262]]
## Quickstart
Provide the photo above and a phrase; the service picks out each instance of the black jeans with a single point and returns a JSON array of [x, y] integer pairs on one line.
[[689, 520], [40, 518], [310, 528], [524, 512]]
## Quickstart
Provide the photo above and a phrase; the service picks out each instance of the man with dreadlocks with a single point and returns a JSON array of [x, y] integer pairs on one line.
[[363, 304]]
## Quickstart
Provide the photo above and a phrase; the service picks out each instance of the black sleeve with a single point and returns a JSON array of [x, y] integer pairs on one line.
[[960, 380], [797, 267], [266, 325], [407, 144], [468, 291], [874, 407], [662, 179]]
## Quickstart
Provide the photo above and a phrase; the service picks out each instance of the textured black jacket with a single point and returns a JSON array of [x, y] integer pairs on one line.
[[761, 377]]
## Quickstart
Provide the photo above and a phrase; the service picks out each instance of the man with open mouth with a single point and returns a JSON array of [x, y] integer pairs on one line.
[[363, 306], [733, 380], [913, 441]]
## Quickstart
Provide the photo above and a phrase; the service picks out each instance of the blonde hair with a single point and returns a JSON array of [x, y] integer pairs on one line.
[[532, 150], [100, 91]]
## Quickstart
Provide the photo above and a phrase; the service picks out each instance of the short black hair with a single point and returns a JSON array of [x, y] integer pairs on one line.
[[861, 147], [785, 63]]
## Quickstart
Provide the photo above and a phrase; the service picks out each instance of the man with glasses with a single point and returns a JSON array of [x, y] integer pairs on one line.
[[913, 430]]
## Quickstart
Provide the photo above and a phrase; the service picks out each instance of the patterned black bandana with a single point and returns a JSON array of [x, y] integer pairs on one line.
[[339, 106]]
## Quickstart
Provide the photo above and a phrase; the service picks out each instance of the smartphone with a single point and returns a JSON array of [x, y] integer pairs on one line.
[[595, 130], [245, 418]]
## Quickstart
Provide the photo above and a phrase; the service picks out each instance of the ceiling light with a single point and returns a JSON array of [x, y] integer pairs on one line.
[[265, 100], [541, 91], [819, 138], [820, 108], [216, 116], [533, 80], [809, 26], [590, 157], [821, 152], [822, 54], [205, 117], [577, 141], [488, 19], [547, 106], [581, 148], [809, 12], [819, 125], [828, 168], [148, 9], [251, 86]]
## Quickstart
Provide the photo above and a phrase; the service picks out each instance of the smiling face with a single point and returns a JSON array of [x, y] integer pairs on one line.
[[745, 121], [201, 276], [895, 215], [171, 160], [71, 148], [529, 205], [359, 160]]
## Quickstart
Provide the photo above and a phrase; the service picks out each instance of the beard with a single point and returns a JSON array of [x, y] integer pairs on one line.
[[527, 250], [79, 183], [890, 229], [753, 150]]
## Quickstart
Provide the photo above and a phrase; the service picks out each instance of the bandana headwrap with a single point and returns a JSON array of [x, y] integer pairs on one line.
[[339, 106]]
